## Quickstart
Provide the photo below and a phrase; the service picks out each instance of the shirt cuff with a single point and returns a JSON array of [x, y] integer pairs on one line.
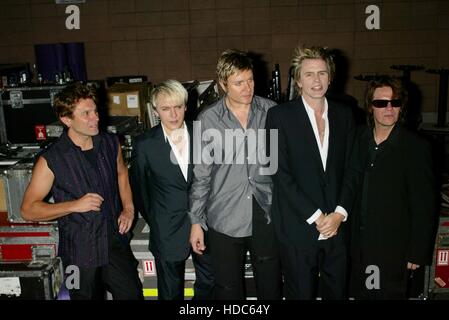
[[194, 220], [342, 211], [314, 216]]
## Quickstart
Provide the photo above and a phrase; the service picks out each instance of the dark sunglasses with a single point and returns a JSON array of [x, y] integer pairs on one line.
[[395, 103]]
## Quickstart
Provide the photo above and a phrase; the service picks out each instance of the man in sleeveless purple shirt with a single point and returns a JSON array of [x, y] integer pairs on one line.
[[86, 175]]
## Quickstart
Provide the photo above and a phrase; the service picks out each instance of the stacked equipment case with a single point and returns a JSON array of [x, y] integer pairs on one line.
[[29, 268], [25, 111], [436, 284]]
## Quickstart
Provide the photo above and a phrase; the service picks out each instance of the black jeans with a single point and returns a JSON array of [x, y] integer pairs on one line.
[[228, 259], [171, 275], [119, 277], [204, 286]]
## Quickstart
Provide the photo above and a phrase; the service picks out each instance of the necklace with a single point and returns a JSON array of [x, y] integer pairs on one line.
[[385, 135]]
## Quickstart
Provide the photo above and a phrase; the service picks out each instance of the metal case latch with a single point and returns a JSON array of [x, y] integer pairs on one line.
[[16, 99]]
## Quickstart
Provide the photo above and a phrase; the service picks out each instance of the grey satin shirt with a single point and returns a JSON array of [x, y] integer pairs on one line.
[[221, 192]]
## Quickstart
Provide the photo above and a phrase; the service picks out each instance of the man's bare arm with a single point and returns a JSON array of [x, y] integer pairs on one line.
[[127, 215], [35, 209]]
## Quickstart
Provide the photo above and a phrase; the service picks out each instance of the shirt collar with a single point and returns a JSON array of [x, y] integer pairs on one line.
[[392, 137], [310, 110], [184, 127], [67, 143], [224, 110]]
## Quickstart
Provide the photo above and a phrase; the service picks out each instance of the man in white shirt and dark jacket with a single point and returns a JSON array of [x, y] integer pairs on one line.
[[161, 174], [309, 205]]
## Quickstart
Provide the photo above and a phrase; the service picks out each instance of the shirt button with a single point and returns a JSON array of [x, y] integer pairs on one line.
[[376, 148], [372, 164], [248, 197], [249, 178]]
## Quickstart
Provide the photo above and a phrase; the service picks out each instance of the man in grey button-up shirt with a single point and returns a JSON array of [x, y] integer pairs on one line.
[[229, 196]]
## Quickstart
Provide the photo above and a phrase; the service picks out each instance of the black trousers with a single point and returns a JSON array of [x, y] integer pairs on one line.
[[204, 286], [393, 279], [170, 278], [119, 277], [310, 272], [228, 259]]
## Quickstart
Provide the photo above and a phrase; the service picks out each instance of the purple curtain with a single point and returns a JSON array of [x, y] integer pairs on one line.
[[59, 57]]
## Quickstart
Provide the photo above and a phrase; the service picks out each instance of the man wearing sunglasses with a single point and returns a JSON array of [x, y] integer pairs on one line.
[[395, 210]]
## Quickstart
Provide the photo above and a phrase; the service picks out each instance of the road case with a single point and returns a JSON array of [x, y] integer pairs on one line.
[[15, 180], [32, 241], [437, 275], [24, 113], [37, 280]]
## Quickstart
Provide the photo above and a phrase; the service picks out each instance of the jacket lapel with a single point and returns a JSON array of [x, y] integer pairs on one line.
[[333, 134], [190, 165]]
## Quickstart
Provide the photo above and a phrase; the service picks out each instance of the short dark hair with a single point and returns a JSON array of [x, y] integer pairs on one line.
[[399, 92], [65, 101]]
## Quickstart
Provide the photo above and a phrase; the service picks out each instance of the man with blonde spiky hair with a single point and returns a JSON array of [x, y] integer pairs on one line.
[[308, 203]]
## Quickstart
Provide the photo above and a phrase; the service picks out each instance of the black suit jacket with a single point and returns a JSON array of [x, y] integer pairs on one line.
[[301, 186], [161, 195], [400, 201]]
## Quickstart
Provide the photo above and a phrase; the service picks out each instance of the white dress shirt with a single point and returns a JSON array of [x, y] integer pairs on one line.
[[180, 150]]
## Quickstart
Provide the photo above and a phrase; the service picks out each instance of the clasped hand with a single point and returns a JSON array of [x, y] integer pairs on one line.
[[328, 224]]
